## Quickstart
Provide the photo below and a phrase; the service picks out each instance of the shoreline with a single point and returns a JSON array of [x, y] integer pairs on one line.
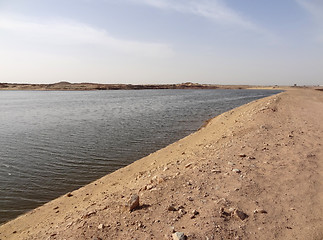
[[66, 86], [196, 173]]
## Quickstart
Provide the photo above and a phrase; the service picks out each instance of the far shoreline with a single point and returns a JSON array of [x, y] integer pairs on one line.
[[66, 86]]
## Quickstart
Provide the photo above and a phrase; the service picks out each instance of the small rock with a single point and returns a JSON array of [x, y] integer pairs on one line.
[[133, 202], [69, 224], [182, 212], [231, 210], [69, 194], [260, 211], [242, 155], [101, 226], [221, 210], [158, 179], [161, 179], [171, 208], [188, 165], [190, 199], [239, 214], [215, 171], [231, 163], [149, 187], [251, 158], [178, 236], [154, 179], [236, 170], [195, 212], [88, 214]]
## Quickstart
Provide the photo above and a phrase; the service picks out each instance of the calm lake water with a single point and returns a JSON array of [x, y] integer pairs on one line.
[[54, 142]]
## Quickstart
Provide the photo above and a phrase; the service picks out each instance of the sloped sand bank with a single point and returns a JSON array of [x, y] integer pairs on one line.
[[263, 159]]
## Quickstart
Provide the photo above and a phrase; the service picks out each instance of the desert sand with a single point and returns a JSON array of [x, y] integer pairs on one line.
[[255, 172]]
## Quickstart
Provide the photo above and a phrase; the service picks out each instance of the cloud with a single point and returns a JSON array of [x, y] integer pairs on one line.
[[214, 10], [71, 33], [315, 9]]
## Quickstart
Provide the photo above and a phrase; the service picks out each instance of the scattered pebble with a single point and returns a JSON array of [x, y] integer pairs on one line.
[[171, 208], [260, 211], [69, 194], [148, 187], [178, 236], [181, 212], [88, 214], [236, 170], [231, 210], [195, 212], [133, 202], [101, 226], [188, 165], [239, 214]]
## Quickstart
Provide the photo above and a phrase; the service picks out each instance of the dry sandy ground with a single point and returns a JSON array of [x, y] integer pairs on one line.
[[263, 159]]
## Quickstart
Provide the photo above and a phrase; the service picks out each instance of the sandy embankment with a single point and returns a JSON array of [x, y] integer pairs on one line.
[[264, 159]]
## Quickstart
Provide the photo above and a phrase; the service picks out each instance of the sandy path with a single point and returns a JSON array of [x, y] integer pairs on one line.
[[263, 159]]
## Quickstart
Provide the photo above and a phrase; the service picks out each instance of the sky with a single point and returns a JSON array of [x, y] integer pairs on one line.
[[162, 41]]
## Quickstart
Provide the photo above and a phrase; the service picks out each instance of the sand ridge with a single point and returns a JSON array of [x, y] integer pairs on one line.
[[263, 159]]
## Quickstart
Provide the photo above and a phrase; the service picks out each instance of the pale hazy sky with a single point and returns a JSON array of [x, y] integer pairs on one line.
[[162, 41]]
